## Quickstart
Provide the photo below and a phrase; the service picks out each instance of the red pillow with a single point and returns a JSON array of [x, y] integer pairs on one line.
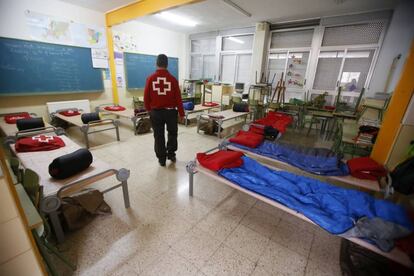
[[366, 168], [12, 118], [247, 138], [210, 104], [70, 113], [114, 108], [220, 160], [39, 143]]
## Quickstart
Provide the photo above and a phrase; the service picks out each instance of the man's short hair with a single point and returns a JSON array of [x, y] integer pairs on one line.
[[162, 61]]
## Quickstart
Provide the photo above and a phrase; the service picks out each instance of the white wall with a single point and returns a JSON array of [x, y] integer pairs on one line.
[[13, 24], [153, 41], [400, 35]]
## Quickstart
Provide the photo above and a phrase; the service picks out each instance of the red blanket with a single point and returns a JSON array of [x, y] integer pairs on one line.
[[12, 118], [247, 138], [70, 113], [366, 168], [276, 120], [39, 143], [210, 104], [114, 108], [220, 160]]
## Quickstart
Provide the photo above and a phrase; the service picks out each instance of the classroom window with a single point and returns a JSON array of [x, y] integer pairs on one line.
[[348, 68], [291, 39], [202, 58], [237, 43], [356, 34], [327, 71], [236, 68], [355, 70]]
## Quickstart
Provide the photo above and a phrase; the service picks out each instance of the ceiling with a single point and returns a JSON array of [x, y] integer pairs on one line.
[[99, 5], [213, 15]]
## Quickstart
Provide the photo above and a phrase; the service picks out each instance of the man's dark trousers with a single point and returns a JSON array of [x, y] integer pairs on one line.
[[160, 118]]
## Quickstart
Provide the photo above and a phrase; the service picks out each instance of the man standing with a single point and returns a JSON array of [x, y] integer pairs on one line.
[[162, 98]]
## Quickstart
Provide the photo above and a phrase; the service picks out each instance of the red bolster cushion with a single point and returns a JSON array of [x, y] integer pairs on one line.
[[210, 104], [247, 138], [366, 168], [220, 160], [39, 143], [114, 108], [12, 118], [70, 113]]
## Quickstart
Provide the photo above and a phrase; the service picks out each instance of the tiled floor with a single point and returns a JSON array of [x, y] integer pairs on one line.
[[218, 231]]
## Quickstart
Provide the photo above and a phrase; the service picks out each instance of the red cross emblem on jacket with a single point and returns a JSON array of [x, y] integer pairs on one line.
[[162, 91], [161, 86]]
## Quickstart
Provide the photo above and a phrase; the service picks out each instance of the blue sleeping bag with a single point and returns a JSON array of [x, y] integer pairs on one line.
[[188, 106], [314, 160], [333, 208]]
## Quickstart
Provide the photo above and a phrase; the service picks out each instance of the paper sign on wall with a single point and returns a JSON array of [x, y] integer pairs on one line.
[[99, 58]]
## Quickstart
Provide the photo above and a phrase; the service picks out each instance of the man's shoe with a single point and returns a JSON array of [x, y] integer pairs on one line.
[[162, 163], [172, 159]]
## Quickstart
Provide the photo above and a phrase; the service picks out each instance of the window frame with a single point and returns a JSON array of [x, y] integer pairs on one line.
[[202, 55], [289, 50], [376, 47], [237, 54]]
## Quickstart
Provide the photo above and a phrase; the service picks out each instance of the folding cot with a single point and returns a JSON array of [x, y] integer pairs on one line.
[[128, 113], [55, 189], [221, 117], [56, 108], [194, 167], [10, 130], [199, 108]]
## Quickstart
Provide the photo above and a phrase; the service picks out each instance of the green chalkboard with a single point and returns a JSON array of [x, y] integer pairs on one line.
[[28, 67], [139, 67]]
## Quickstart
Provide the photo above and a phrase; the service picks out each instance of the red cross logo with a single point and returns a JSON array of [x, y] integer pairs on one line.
[[42, 138], [161, 86]]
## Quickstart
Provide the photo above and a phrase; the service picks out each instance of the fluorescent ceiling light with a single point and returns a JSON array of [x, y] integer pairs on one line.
[[176, 19], [236, 7], [235, 40]]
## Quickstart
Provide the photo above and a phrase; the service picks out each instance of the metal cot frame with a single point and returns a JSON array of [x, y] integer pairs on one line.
[[85, 128], [198, 109], [51, 203], [231, 116], [128, 113], [194, 167]]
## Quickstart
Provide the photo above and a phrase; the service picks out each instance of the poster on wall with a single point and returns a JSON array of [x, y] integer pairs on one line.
[[99, 58], [124, 43], [60, 31], [119, 69]]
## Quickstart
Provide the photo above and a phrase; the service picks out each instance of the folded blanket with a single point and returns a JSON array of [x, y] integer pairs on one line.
[[277, 120], [39, 143], [333, 208], [366, 168], [220, 159], [210, 104], [115, 108], [70, 112], [12, 118], [247, 138]]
